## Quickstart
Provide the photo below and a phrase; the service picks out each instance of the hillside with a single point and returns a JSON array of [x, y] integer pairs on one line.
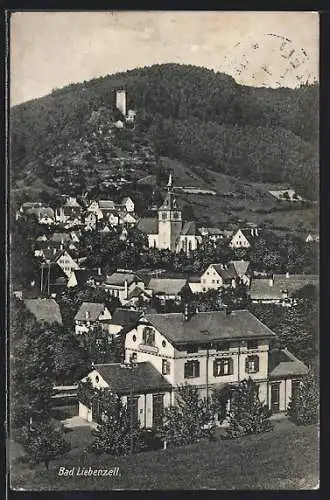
[[199, 123]]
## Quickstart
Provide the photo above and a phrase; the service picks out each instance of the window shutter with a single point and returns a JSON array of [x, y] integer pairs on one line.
[[185, 370], [247, 365], [168, 367], [215, 368], [231, 366], [256, 363], [197, 368]]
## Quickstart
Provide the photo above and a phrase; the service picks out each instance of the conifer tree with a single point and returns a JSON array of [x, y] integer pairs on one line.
[[247, 415], [304, 407]]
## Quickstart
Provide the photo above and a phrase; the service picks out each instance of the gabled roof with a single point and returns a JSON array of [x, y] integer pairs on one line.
[[107, 205], [145, 378], [207, 326], [211, 231], [282, 363], [125, 317], [59, 237], [94, 309], [127, 198], [189, 228], [148, 225], [227, 272], [118, 279], [136, 292], [241, 266], [167, 286], [262, 289], [44, 310]]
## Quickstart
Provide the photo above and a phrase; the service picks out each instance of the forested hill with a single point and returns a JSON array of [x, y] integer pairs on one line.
[[185, 112]]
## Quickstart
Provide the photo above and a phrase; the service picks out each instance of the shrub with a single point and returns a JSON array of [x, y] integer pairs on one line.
[[304, 407]]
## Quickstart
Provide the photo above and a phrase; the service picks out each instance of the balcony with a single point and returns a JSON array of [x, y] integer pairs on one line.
[[151, 349]]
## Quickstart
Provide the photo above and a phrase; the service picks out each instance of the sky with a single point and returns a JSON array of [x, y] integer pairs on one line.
[[52, 49]]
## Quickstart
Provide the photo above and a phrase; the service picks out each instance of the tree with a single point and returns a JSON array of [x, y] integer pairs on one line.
[[189, 421], [42, 442], [113, 433], [304, 406], [247, 415]]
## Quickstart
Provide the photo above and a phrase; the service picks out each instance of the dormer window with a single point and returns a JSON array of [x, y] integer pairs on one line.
[[148, 336]]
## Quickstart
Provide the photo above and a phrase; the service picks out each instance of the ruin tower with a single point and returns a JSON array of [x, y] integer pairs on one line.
[[121, 101], [169, 221]]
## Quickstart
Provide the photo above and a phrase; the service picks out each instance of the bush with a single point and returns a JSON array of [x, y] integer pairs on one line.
[[247, 414], [304, 407]]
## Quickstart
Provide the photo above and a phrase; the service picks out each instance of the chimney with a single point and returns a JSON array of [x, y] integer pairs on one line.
[[186, 313], [287, 274]]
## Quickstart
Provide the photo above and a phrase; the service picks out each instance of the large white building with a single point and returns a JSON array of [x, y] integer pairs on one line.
[[168, 231]]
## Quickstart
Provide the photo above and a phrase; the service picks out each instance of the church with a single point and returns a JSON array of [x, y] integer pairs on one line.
[[168, 230]]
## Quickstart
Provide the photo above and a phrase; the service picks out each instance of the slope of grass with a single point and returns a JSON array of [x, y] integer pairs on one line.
[[286, 458]]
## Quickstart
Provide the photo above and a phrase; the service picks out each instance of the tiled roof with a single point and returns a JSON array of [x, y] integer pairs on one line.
[[106, 205], [282, 363], [226, 273], [241, 266], [168, 286], [125, 317], [136, 292], [261, 288], [145, 378], [45, 310], [118, 279], [211, 231], [148, 225], [58, 237], [189, 229], [94, 309], [207, 326]]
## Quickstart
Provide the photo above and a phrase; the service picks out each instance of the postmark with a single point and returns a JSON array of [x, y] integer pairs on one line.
[[272, 60]]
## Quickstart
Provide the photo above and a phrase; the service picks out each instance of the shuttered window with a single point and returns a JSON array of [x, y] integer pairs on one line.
[[191, 369], [148, 336], [252, 364], [222, 367]]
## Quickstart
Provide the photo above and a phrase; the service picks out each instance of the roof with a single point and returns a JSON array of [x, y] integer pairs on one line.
[[207, 326], [241, 266], [106, 205], [148, 225], [72, 203], [58, 237], [168, 286], [248, 235], [211, 230], [189, 228], [118, 279], [145, 378], [136, 292], [127, 198], [45, 310], [125, 317], [226, 272], [41, 211], [94, 309], [83, 275], [282, 363], [261, 288]]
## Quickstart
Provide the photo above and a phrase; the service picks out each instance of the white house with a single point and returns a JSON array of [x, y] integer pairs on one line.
[[122, 283], [128, 204], [90, 315], [312, 237], [94, 208], [217, 276], [243, 238], [280, 288]]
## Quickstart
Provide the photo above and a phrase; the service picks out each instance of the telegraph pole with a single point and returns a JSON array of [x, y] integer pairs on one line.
[[131, 365]]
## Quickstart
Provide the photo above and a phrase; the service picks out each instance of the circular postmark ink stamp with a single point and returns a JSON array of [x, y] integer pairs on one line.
[[271, 61]]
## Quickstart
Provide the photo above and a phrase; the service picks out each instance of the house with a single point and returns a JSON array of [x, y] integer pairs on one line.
[[151, 391], [94, 208], [312, 237], [89, 316], [219, 275], [80, 277], [44, 310], [280, 288], [44, 215], [113, 219], [195, 284], [53, 280], [70, 210], [26, 206], [212, 233], [168, 230], [128, 204], [121, 283], [128, 218], [286, 195], [243, 270], [244, 238], [90, 221], [65, 261], [214, 350], [167, 288], [106, 207]]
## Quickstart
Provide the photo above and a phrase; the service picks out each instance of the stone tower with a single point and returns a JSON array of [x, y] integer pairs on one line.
[[121, 101], [169, 221]]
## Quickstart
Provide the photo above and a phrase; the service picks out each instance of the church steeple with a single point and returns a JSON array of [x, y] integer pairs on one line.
[[169, 219], [169, 202]]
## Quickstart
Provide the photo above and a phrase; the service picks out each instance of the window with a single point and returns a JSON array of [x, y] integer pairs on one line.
[[134, 338], [175, 215], [191, 369], [252, 344], [192, 349], [164, 343], [222, 367], [148, 336], [213, 281], [97, 378], [164, 215], [222, 346], [252, 364], [166, 366]]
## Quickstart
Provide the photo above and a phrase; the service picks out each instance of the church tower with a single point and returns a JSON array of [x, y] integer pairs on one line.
[[169, 220]]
